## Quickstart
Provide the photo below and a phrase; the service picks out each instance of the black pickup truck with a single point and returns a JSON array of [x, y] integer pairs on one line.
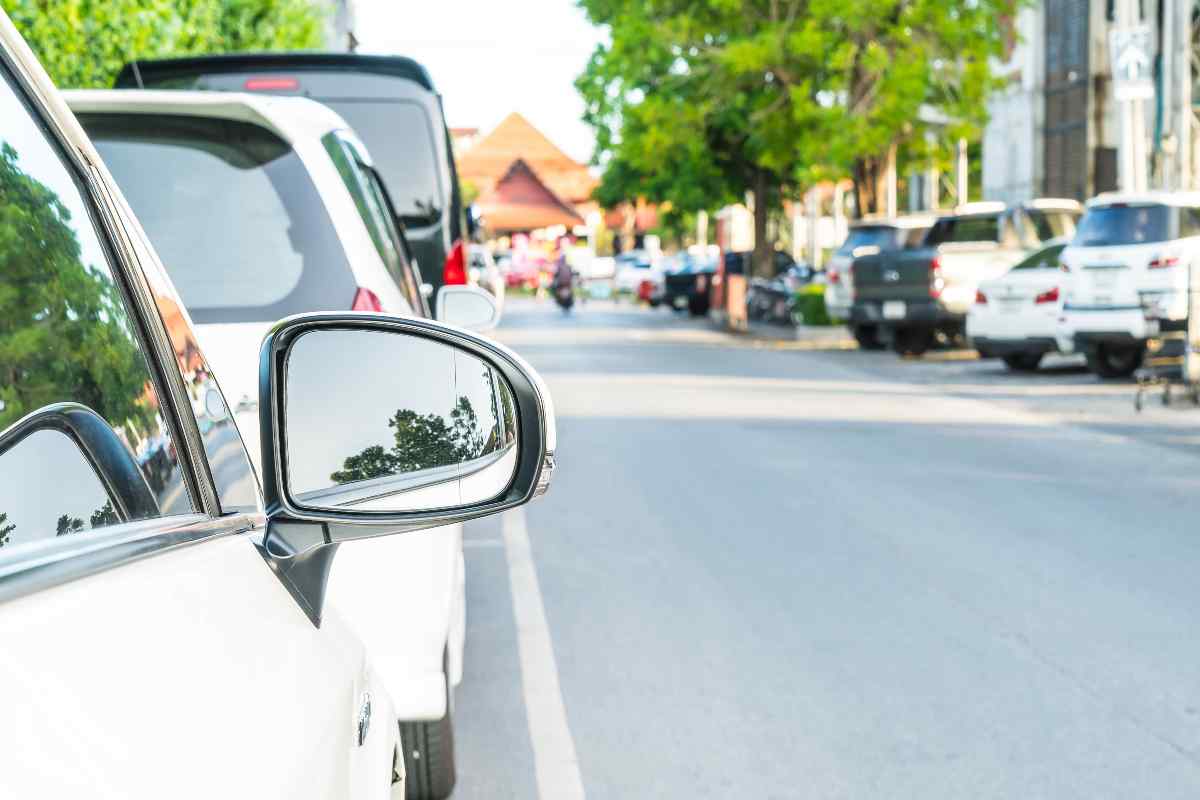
[[916, 297]]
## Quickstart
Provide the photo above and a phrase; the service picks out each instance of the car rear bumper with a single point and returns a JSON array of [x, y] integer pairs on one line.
[[917, 313], [1082, 328], [1003, 347]]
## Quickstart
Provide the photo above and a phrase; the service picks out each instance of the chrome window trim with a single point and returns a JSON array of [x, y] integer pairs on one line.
[[37, 566]]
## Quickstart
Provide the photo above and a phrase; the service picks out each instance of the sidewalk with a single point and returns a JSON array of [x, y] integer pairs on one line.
[[806, 337]]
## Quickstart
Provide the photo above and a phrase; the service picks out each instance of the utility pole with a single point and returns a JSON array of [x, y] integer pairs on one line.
[[1128, 61], [962, 186]]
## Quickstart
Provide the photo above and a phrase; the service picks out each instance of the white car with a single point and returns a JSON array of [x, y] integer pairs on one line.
[[484, 272], [1127, 276], [1015, 316], [163, 611], [634, 267], [262, 207]]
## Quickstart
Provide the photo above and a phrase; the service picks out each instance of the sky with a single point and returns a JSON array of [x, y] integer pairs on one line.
[[489, 58]]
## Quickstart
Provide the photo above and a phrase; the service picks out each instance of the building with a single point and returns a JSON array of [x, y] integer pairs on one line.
[[340, 23], [516, 160], [1012, 141]]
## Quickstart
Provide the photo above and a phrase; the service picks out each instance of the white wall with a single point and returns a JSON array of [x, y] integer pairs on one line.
[[1012, 152]]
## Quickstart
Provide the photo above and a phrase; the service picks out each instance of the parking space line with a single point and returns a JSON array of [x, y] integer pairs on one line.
[[555, 762]]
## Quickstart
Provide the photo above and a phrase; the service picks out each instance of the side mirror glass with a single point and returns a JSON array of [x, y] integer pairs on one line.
[[467, 307], [399, 422]]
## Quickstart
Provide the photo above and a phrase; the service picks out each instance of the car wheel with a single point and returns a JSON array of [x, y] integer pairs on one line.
[[429, 755], [1023, 362], [1115, 361], [912, 341], [698, 306], [867, 337]]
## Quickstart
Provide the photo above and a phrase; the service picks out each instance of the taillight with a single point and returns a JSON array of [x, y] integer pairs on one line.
[[271, 84], [366, 300], [980, 298], [1161, 261], [834, 277], [936, 281], [1048, 296], [455, 271]]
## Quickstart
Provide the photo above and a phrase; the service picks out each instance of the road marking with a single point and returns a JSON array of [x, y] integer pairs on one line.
[[554, 759]]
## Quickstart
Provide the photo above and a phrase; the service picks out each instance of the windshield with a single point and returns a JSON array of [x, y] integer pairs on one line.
[[1118, 224], [880, 236], [1047, 258], [231, 211], [400, 138], [1050, 223], [959, 230]]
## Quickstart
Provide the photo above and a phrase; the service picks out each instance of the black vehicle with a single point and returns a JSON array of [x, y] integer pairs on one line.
[[391, 103], [687, 285]]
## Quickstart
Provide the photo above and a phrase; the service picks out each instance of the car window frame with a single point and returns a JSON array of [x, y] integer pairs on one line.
[[53, 561]]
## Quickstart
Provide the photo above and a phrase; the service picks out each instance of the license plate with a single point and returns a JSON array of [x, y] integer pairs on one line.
[[1008, 306], [1104, 278], [894, 309]]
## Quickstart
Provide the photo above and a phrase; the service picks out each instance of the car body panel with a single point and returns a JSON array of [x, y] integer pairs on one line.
[[1018, 314]]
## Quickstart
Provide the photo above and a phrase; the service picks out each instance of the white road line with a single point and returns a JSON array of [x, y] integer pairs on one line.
[[555, 762]]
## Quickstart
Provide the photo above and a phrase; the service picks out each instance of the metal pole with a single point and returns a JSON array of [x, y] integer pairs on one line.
[[961, 177]]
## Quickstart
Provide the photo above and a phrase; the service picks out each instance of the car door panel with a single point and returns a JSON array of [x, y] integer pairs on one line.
[[189, 674]]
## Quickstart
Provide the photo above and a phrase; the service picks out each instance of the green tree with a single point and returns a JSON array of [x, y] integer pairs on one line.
[[64, 333], [67, 525], [697, 103], [84, 43]]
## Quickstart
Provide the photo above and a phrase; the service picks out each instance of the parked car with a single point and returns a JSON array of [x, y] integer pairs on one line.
[[916, 297], [392, 105], [1126, 276], [632, 268], [263, 207], [1015, 316], [485, 273], [179, 637], [868, 237], [687, 281]]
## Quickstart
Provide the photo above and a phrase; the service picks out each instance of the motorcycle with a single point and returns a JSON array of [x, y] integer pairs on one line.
[[564, 295]]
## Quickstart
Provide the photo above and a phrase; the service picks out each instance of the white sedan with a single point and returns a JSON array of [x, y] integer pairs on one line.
[[1015, 316]]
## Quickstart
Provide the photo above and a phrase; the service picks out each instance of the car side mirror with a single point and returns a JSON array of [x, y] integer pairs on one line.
[[467, 307], [376, 425]]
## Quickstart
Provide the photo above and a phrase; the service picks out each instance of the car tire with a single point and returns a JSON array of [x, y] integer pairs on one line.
[[1115, 361], [428, 747], [1023, 362], [697, 306], [911, 341], [867, 337]]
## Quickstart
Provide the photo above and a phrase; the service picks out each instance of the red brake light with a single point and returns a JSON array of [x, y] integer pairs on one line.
[[1048, 296], [366, 300], [834, 277], [936, 282], [455, 271], [271, 84], [980, 298], [1160, 261]]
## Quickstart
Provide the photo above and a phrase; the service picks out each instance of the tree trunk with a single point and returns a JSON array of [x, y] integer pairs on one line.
[[866, 184], [762, 266]]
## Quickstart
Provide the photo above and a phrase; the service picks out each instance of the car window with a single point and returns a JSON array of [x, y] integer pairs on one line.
[[1044, 224], [67, 342], [1189, 221], [1047, 258], [399, 136], [372, 209], [1123, 223], [239, 224], [881, 236], [956, 230], [914, 238]]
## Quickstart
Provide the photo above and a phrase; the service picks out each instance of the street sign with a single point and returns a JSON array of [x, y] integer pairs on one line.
[[1132, 64]]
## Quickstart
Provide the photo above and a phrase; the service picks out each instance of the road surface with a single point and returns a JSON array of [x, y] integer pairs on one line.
[[771, 572]]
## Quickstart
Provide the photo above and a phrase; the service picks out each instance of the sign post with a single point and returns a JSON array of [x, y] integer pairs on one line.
[[1130, 51]]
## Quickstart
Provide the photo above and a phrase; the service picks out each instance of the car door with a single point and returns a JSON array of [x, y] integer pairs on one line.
[[149, 650]]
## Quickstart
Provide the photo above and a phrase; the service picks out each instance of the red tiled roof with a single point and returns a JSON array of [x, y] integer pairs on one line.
[[521, 201], [515, 138]]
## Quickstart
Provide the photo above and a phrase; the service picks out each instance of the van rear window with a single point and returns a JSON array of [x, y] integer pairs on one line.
[[1117, 224], [881, 236], [232, 212]]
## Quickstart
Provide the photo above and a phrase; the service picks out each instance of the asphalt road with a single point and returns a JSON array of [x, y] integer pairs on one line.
[[783, 572]]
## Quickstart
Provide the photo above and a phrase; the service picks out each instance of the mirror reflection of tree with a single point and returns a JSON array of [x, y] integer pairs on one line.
[[426, 441]]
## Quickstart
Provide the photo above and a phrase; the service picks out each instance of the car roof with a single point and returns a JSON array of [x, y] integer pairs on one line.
[[135, 72], [1157, 196], [902, 221], [290, 118], [997, 206]]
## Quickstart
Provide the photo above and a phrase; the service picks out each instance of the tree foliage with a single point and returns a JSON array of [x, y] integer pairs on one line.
[[84, 43], [699, 102], [64, 333]]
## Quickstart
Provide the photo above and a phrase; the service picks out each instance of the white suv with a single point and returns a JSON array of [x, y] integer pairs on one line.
[[1127, 276]]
